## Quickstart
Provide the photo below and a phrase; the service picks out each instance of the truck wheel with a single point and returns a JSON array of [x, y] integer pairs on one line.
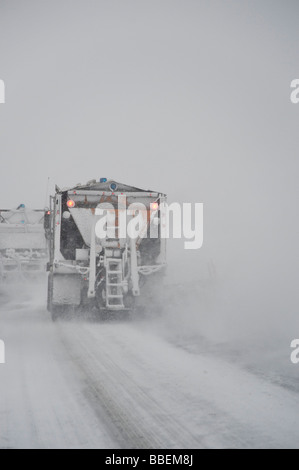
[[56, 312], [50, 293]]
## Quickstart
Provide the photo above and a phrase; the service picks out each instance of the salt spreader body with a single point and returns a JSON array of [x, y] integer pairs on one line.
[[101, 256]]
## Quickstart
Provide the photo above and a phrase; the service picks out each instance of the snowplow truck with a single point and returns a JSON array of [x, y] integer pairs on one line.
[[106, 249], [23, 246]]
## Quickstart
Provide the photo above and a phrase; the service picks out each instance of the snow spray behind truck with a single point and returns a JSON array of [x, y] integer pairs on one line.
[[95, 259], [23, 247]]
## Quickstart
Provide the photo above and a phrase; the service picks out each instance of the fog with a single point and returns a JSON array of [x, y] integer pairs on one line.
[[189, 98]]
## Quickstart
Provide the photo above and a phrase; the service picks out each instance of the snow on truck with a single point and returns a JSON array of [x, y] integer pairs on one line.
[[23, 247], [106, 249]]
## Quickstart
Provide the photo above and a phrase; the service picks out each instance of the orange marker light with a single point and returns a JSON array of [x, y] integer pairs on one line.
[[155, 206], [71, 203]]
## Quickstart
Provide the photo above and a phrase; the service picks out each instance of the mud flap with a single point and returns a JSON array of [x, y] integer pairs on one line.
[[65, 289]]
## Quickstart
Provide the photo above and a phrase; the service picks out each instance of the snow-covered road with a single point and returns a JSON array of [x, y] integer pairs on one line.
[[85, 384]]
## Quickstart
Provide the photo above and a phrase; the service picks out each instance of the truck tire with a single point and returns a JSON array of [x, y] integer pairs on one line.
[[56, 312]]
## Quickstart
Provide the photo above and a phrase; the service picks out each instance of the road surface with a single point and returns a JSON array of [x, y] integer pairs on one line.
[[86, 384]]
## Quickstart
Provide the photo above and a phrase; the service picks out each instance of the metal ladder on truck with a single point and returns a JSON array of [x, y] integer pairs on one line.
[[114, 277]]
